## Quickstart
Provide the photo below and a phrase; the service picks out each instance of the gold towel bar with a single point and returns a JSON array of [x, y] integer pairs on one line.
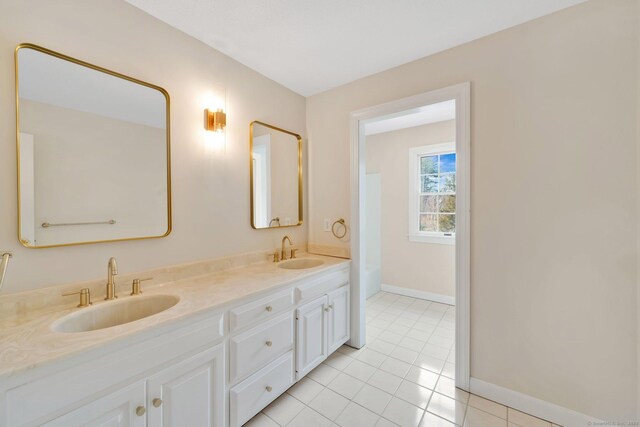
[[48, 224]]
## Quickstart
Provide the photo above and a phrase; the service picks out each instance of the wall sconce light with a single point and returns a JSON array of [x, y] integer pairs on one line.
[[215, 121]]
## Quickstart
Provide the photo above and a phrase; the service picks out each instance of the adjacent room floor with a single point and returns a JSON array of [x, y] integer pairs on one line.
[[404, 376]]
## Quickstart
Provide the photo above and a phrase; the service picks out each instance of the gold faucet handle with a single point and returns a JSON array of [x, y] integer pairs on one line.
[[293, 253], [135, 286], [85, 297], [275, 256]]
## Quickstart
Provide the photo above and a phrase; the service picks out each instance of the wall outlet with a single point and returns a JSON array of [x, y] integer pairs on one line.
[[327, 224]]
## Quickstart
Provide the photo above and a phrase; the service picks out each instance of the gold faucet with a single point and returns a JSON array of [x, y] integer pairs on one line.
[[112, 270], [283, 254]]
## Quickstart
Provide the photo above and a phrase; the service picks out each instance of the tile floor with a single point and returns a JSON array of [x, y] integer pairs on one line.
[[404, 376]]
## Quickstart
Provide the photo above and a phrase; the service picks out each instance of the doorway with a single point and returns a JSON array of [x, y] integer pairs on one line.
[[360, 120]]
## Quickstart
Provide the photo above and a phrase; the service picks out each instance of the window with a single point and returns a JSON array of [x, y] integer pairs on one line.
[[432, 200]]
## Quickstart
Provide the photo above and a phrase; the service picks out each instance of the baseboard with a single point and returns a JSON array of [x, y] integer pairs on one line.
[[444, 299], [531, 405]]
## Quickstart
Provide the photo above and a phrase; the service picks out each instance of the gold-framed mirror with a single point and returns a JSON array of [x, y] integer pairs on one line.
[[276, 176], [93, 153]]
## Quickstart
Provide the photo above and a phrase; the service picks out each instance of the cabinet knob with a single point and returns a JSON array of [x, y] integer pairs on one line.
[[269, 343], [327, 308], [269, 308], [268, 388], [156, 402], [140, 411]]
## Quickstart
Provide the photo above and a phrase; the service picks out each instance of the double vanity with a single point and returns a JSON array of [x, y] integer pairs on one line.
[[208, 349], [208, 344]]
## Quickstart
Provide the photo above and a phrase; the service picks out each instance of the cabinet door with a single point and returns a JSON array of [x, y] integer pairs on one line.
[[338, 317], [114, 410], [190, 393], [311, 335]]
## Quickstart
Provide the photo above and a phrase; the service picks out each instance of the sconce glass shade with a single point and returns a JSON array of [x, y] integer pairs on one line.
[[215, 121]]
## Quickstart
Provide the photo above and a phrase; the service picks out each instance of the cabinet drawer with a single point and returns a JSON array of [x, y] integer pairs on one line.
[[259, 311], [256, 392], [252, 349], [321, 285]]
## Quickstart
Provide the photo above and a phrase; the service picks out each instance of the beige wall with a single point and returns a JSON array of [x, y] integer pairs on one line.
[[210, 189], [426, 267], [553, 203]]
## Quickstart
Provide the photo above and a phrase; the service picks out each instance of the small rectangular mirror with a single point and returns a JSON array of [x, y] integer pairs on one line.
[[276, 177], [93, 152]]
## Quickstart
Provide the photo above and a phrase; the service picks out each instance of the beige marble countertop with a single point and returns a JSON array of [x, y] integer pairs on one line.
[[30, 342]]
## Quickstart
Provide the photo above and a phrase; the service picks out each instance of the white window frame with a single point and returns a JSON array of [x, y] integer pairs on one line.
[[415, 235]]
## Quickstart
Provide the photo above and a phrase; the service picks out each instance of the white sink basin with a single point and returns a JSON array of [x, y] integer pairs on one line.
[[114, 313], [300, 263]]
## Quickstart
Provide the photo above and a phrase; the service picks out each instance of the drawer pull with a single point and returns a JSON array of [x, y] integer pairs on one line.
[[268, 388], [140, 411], [269, 343], [269, 308], [156, 402]]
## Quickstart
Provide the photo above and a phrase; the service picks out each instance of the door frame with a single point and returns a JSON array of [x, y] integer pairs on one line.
[[357, 121]]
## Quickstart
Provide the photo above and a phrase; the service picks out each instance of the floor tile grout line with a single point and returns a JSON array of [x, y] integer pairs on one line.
[[261, 412], [305, 407], [394, 394], [419, 353], [405, 335]]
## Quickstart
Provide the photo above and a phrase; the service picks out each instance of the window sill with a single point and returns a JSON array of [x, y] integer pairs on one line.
[[441, 240]]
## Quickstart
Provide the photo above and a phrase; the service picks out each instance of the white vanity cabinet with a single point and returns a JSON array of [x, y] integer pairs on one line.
[[322, 319], [183, 364], [186, 394], [214, 368], [290, 333], [260, 358], [322, 327]]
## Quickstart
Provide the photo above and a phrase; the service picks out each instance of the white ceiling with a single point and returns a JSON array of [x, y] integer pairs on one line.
[[428, 114], [311, 46]]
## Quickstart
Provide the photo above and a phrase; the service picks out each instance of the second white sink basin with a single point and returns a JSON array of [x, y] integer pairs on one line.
[[300, 263], [114, 313]]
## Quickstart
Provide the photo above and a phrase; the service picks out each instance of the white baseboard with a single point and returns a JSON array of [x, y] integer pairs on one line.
[[531, 405], [445, 299]]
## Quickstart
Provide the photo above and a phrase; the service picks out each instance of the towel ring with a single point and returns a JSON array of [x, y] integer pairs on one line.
[[333, 228], [276, 220]]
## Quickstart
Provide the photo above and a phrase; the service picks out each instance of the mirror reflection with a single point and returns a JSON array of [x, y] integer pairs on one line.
[[93, 151], [276, 177]]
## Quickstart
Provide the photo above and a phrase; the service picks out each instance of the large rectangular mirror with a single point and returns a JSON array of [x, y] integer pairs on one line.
[[276, 177], [93, 152]]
